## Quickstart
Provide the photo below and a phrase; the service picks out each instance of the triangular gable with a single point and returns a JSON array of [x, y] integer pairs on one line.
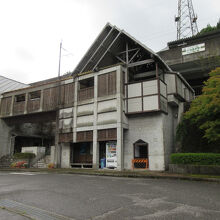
[[110, 47]]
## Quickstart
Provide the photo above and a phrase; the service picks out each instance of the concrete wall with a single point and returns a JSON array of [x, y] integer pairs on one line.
[[149, 128], [65, 155], [194, 169], [34, 149], [174, 54], [169, 131], [29, 129], [5, 139], [8, 133]]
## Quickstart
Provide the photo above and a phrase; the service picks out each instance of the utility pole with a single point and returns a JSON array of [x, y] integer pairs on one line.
[[186, 20], [60, 59], [58, 148]]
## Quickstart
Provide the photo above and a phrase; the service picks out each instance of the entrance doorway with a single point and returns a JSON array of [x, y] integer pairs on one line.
[[140, 160], [81, 155]]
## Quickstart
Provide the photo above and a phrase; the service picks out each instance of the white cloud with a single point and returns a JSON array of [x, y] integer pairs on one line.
[[31, 30]]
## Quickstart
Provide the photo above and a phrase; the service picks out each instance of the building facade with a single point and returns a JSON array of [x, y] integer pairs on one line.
[[6, 85], [194, 57], [122, 103]]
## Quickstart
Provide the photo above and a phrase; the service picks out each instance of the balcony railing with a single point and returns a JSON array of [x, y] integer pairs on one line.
[[18, 107], [146, 96], [86, 93], [33, 105]]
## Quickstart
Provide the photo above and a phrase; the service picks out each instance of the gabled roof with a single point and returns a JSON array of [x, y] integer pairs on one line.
[[7, 84], [204, 36], [109, 42]]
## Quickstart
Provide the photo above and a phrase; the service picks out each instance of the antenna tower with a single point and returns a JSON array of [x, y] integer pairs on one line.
[[186, 20]]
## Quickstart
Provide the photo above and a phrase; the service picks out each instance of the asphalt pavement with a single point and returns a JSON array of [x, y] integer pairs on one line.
[[43, 196]]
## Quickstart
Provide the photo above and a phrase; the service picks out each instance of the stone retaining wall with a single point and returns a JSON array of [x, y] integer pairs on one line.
[[194, 169]]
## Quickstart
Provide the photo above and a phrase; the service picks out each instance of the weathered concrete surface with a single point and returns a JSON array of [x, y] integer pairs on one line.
[[7, 215], [5, 140], [195, 65], [194, 169], [150, 130], [92, 197]]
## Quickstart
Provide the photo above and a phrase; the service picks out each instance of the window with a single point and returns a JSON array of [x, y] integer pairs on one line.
[[86, 83], [20, 98], [86, 89], [140, 149], [35, 95], [107, 84]]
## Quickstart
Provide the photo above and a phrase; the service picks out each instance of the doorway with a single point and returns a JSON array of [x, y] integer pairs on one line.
[[81, 155], [140, 160]]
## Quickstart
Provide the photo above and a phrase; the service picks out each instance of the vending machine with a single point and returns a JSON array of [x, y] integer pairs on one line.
[[111, 156]]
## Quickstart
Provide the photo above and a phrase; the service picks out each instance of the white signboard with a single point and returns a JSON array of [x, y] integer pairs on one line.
[[111, 156], [193, 49]]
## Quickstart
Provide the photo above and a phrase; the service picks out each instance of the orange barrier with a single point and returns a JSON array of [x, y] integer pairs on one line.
[[140, 163]]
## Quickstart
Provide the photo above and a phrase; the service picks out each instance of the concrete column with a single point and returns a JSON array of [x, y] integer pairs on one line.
[[5, 138], [75, 110], [180, 112], [95, 156], [95, 160], [52, 155], [57, 144], [65, 155], [12, 145], [26, 102], [41, 100], [119, 148], [0, 100], [12, 104]]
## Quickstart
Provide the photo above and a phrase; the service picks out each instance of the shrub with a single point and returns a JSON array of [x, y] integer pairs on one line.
[[51, 166], [13, 165], [196, 158], [24, 155], [20, 164]]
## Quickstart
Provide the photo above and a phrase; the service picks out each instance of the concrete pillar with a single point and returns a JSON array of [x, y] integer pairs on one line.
[[95, 160], [65, 155], [119, 148], [58, 146], [12, 104], [75, 110], [180, 111], [5, 142], [26, 103], [12, 145], [95, 156], [52, 155], [41, 100]]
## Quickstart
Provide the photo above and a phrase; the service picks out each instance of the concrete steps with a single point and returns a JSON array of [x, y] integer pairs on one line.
[[6, 161], [43, 162]]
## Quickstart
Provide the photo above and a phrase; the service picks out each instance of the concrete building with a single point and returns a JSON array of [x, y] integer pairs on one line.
[[194, 57], [122, 102], [6, 85]]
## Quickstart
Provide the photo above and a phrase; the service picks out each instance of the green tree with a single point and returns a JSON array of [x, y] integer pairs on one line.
[[200, 126], [209, 28]]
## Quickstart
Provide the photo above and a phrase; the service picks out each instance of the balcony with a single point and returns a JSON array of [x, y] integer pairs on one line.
[[86, 93], [146, 96]]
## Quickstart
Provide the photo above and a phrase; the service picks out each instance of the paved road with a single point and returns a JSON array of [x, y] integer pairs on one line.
[[98, 198]]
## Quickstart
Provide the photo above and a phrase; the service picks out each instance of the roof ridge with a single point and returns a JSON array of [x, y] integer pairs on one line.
[[13, 80]]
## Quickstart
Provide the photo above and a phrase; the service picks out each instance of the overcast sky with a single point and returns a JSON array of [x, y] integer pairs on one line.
[[31, 30]]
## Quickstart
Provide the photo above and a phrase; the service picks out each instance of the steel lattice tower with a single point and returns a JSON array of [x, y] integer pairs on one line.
[[186, 19]]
